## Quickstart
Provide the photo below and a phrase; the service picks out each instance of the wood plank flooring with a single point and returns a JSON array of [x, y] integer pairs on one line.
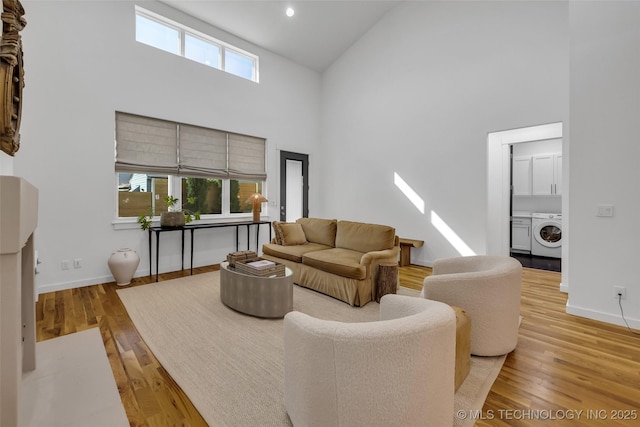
[[562, 364]]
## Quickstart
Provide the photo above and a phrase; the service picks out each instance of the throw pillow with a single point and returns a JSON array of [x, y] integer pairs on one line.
[[292, 234], [277, 231]]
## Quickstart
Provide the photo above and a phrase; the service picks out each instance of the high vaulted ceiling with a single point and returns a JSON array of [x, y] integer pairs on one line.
[[318, 33]]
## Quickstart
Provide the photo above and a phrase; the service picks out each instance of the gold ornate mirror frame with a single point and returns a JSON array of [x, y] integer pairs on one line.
[[11, 75]]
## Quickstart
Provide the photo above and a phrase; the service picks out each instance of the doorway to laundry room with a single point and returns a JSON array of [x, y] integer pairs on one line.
[[536, 203]]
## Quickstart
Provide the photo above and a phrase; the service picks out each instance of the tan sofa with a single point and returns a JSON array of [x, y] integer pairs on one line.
[[337, 258]]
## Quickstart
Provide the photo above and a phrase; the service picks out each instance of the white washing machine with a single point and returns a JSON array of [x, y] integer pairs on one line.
[[546, 238]]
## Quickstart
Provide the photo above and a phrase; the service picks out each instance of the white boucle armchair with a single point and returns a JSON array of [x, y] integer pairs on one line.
[[488, 288], [398, 371]]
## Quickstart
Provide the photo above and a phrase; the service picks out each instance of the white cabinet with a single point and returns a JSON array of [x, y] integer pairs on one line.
[[521, 176], [521, 234], [546, 175], [557, 174]]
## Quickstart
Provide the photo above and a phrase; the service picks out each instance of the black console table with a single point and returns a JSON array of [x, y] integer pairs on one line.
[[192, 228]]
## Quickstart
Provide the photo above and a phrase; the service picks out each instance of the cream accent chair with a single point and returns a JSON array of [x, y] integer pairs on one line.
[[488, 288], [398, 371]]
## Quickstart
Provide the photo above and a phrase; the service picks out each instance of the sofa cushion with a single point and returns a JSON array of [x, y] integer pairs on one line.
[[291, 253], [292, 234], [363, 237], [343, 262], [318, 230]]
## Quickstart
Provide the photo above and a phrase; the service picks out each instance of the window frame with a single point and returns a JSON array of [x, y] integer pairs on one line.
[[184, 30], [183, 46], [175, 190], [167, 23]]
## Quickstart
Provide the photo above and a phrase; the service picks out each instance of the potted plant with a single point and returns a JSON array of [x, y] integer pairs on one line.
[[175, 217]]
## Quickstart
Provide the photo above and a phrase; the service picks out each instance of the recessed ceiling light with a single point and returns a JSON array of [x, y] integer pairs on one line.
[[290, 12]]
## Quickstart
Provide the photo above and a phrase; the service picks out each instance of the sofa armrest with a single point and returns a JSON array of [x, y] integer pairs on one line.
[[371, 260], [380, 256]]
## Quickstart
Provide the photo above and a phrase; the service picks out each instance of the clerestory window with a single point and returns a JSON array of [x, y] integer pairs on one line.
[[162, 33]]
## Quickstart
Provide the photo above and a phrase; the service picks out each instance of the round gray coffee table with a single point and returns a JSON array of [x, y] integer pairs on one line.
[[270, 297]]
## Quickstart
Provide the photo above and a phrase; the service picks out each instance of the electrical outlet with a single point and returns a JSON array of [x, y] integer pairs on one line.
[[77, 263], [619, 292], [65, 264]]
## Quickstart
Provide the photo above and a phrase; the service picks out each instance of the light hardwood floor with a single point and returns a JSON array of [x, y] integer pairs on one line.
[[563, 364]]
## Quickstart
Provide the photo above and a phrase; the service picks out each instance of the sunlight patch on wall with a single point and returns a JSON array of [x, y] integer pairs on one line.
[[451, 236], [408, 192]]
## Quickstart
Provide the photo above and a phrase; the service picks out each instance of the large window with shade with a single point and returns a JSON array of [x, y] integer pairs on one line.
[[209, 171]]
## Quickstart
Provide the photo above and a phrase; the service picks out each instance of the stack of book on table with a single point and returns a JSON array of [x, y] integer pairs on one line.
[[240, 256], [260, 267]]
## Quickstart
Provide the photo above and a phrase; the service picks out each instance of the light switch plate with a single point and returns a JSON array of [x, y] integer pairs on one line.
[[605, 210]]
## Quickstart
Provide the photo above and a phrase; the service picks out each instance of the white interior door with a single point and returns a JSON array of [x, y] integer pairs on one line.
[[294, 186], [294, 189]]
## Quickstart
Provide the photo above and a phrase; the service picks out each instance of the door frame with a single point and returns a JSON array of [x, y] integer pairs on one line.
[[499, 192], [499, 180], [304, 158]]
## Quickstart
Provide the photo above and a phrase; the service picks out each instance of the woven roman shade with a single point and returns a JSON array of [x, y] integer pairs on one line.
[[202, 152], [145, 145], [246, 157], [148, 145]]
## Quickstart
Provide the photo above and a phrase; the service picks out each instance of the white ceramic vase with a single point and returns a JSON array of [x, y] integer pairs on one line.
[[123, 264]]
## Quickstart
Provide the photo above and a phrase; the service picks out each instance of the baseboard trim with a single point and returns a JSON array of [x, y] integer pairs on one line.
[[61, 286], [53, 287], [422, 262], [564, 288], [603, 317], [90, 281]]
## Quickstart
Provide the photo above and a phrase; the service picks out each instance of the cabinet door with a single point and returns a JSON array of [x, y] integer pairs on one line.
[[542, 175], [557, 175], [521, 235], [522, 176]]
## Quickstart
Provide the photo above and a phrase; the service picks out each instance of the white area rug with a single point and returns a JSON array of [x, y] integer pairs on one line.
[[73, 385], [230, 364]]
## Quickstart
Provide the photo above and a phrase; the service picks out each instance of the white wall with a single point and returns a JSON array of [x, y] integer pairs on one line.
[[6, 164], [417, 96], [82, 64], [605, 106]]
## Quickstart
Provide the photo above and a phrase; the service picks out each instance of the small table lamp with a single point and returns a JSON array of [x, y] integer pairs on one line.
[[256, 199]]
